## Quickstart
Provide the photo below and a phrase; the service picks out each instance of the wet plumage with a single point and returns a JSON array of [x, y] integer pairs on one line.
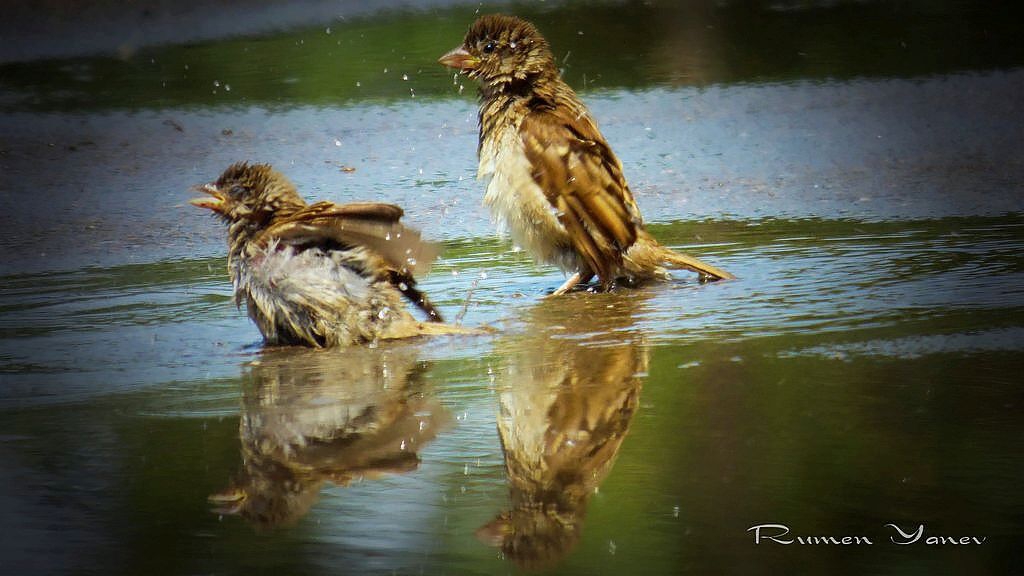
[[319, 274], [552, 179]]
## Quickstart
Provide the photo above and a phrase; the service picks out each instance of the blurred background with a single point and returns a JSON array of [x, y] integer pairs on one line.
[[148, 53]]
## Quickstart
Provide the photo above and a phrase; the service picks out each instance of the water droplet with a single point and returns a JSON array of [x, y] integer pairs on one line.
[[675, 511], [405, 76], [385, 70], [387, 236], [483, 275], [611, 547], [402, 445], [403, 286], [227, 87], [216, 83], [328, 30], [337, 142]]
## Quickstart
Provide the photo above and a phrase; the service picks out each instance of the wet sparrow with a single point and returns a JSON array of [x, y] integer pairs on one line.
[[553, 181], [322, 274]]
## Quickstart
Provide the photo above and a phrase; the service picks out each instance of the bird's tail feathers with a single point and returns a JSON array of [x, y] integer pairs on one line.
[[416, 328], [673, 259]]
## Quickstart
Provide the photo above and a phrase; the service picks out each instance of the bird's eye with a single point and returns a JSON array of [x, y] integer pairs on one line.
[[237, 190], [489, 47]]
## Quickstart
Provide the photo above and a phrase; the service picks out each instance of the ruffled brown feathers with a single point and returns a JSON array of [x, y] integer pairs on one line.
[[260, 187], [323, 274], [539, 146], [504, 53]]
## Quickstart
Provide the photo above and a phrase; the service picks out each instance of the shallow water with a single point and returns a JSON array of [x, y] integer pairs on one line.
[[863, 369]]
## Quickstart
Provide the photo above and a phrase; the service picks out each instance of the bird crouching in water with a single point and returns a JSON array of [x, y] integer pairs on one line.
[[552, 179], [320, 274]]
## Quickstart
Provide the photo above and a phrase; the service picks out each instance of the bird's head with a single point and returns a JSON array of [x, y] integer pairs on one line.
[[500, 50], [252, 194]]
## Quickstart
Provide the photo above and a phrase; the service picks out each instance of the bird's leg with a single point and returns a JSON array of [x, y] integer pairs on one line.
[[581, 277], [569, 284]]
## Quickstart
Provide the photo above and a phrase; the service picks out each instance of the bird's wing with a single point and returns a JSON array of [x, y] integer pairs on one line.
[[583, 180], [373, 226], [376, 211], [370, 225]]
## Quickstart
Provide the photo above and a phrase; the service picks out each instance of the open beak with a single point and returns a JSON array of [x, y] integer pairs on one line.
[[228, 502], [214, 199], [459, 59]]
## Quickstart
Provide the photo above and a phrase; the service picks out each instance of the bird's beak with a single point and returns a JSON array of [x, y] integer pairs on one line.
[[460, 59], [228, 502], [213, 201]]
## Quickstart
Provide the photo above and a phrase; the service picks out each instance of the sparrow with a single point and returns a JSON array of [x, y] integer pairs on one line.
[[320, 274], [552, 180]]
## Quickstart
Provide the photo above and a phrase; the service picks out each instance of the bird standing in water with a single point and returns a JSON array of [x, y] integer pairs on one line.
[[554, 181], [323, 274]]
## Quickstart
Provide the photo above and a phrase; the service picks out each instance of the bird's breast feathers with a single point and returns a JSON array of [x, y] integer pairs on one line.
[[518, 204], [280, 278]]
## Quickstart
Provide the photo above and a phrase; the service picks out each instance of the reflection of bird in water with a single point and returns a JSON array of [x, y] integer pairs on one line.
[[314, 416], [565, 405]]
